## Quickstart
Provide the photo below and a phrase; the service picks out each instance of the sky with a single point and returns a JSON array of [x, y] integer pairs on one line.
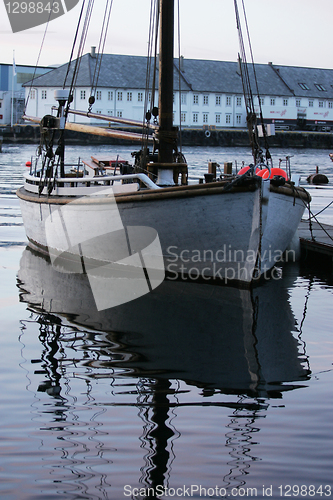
[[285, 32]]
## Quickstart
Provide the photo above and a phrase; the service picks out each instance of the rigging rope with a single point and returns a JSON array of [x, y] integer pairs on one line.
[[268, 155], [248, 95], [45, 147], [152, 46], [40, 52], [100, 51], [152, 54], [73, 46], [80, 51], [179, 74]]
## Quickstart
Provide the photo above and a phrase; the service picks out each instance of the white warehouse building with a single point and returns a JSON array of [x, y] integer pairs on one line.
[[207, 94]]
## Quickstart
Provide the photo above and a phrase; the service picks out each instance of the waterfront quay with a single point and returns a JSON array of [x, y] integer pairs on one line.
[[223, 137]]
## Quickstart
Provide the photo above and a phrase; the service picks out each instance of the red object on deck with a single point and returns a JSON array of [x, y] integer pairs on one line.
[[274, 171], [245, 169]]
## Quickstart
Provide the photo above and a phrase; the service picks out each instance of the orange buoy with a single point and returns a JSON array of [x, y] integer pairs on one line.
[[28, 164], [245, 169], [264, 173]]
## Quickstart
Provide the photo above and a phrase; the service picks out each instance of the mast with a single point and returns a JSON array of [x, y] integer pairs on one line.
[[166, 133]]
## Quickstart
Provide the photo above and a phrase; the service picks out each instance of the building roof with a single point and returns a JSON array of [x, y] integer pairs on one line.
[[129, 72], [117, 71], [298, 78]]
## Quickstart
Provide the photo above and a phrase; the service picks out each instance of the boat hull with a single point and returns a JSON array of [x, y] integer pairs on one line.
[[281, 215], [200, 233]]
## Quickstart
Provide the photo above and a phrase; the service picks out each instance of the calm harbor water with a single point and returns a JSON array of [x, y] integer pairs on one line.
[[193, 390]]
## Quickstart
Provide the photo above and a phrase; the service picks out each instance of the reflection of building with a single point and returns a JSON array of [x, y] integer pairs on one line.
[[206, 93], [11, 83]]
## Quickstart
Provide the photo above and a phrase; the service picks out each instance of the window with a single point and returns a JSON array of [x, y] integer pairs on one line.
[[272, 101], [195, 99], [320, 87], [261, 101], [129, 96], [119, 96], [218, 100], [110, 95], [110, 112], [140, 96], [218, 118], [0, 104], [205, 118], [238, 119], [183, 117], [298, 102], [195, 118], [44, 94], [32, 95], [304, 86], [98, 95], [228, 100], [228, 119], [119, 114], [82, 94], [98, 111], [321, 104], [310, 104], [183, 98], [285, 102], [239, 101], [330, 104], [205, 100]]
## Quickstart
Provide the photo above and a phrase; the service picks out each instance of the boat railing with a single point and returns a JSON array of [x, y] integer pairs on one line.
[[97, 181]]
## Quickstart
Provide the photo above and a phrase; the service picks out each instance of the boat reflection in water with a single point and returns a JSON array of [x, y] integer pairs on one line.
[[239, 347]]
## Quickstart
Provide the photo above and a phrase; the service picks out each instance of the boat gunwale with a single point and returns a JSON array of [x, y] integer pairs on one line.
[[185, 191], [289, 189]]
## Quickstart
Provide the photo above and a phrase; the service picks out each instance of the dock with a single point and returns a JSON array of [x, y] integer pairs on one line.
[[317, 242], [223, 137]]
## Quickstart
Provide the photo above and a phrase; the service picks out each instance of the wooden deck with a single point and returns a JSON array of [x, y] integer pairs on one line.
[[320, 241]]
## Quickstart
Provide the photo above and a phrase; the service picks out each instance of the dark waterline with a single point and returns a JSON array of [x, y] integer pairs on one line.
[[190, 386]]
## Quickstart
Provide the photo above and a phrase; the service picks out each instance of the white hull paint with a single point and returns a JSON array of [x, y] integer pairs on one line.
[[204, 236], [199, 232], [281, 216]]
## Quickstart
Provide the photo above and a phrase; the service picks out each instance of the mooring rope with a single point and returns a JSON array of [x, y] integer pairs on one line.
[[314, 216], [321, 211]]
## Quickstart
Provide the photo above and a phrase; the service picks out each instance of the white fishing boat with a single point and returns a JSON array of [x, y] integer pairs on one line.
[[126, 222]]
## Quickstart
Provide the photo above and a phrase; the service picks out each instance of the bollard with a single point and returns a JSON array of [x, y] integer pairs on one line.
[[228, 167], [212, 168]]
